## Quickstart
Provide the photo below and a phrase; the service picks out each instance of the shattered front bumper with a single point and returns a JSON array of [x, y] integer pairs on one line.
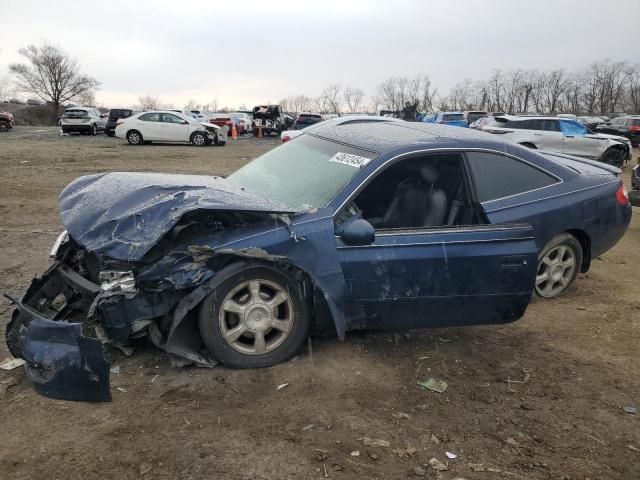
[[60, 361]]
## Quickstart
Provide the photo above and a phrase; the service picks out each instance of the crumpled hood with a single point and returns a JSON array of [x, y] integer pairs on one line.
[[124, 214]]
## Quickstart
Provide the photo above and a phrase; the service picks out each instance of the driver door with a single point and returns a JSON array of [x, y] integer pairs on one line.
[[577, 140], [448, 275], [174, 128]]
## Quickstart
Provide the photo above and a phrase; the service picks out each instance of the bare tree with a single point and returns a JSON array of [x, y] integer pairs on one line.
[[147, 102], [51, 74], [5, 87], [353, 98], [331, 98]]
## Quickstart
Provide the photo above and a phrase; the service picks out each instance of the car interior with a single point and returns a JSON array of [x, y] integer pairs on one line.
[[419, 192]]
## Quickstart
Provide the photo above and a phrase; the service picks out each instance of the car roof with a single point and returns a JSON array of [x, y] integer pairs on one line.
[[386, 136]]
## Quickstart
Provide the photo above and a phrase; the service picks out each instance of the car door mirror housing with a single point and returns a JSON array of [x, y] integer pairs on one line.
[[358, 232]]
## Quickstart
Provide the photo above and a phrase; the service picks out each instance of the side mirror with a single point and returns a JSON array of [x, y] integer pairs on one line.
[[184, 122], [358, 232]]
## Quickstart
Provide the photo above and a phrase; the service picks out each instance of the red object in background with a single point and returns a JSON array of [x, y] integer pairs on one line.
[[222, 122]]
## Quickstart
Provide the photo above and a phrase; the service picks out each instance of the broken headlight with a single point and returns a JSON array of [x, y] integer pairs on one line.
[[117, 281], [61, 240]]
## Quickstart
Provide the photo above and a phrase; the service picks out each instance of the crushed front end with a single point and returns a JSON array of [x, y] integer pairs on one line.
[[82, 302]]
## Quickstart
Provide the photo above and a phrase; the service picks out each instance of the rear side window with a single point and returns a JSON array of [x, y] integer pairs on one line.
[[546, 125], [497, 176], [449, 117], [150, 117], [636, 123]]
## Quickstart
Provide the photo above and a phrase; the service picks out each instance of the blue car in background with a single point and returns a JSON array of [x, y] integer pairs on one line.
[[359, 225], [454, 119]]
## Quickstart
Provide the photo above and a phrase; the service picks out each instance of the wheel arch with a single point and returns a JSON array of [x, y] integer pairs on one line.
[[183, 336], [585, 243]]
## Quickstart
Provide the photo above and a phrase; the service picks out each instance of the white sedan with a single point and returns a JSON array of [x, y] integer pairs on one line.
[[170, 127]]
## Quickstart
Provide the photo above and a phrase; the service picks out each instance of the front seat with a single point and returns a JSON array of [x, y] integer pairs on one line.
[[417, 202]]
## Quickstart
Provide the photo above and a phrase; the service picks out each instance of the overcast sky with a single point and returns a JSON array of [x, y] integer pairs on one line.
[[250, 52]]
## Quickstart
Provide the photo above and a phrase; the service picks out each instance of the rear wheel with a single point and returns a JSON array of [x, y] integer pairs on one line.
[[4, 126], [255, 318], [134, 137], [94, 129], [613, 156], [558, 265], [111, 133]]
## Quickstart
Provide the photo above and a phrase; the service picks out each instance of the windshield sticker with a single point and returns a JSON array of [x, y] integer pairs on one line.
[[349, 159]]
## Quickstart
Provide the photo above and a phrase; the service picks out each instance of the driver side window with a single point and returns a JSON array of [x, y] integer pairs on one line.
[[420, 192]]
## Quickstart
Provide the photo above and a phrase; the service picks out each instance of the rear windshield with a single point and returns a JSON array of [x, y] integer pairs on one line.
[[120, 113], [636, 123], [309, 119], [75, 113], [447, 117]]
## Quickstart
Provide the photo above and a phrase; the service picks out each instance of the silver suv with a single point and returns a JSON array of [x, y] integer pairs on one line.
[[83, 120], [562, 135]]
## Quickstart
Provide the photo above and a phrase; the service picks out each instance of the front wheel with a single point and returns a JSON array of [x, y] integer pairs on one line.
[[255, 318], [94, 129], [558, 265], [4, 126], [199, 139], [613, 156]]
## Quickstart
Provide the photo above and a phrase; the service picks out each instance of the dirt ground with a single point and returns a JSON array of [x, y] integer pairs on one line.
[[573, 364]]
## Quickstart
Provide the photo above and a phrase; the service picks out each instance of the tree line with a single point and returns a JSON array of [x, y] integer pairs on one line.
[[604, 87]]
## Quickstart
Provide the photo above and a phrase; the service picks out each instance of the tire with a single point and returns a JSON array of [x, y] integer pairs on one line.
[[221, 144], [111, 133], [558, 265], [199, 139], [239, 309], [134, 137], [4, 126], [94, 129], [529, 145], [613, 156]]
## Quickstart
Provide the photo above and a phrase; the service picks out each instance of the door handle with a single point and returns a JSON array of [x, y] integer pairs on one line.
[[538, 134], [569, 136], [514, 261]]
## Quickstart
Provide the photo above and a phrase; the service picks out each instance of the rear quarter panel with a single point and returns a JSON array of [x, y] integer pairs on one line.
[[579, 202]]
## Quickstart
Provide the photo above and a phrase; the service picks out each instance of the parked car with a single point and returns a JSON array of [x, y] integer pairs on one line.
[[303, 120], [83, 120], [6, 121], [372, 225], [634, 194], [168, 127], [628, 126], [483, 123], [34, 101], [562, 135], [268, 119], [243, 121], [454, 119], [288, 135], [591, 122], [472, 116], [223, 120], [114, 115]]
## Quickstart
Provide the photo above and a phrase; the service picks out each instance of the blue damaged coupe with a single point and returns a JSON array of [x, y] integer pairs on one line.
[[366, 224]]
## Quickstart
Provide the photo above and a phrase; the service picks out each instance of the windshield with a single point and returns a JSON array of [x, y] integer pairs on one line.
[[305, 173]]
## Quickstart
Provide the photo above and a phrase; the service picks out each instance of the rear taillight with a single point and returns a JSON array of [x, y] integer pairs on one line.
[[622, 197], [634, 128], [286, 138]]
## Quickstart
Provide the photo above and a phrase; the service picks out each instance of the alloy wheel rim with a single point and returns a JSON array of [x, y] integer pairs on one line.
[[134, 138], [256, 317], [198, 139], [555, 271]]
